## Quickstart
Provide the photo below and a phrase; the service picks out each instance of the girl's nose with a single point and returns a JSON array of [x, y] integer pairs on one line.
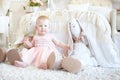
[[42, 27]]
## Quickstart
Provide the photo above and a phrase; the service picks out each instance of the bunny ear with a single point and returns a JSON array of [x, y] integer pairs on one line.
[[79, 25], [69, 26]]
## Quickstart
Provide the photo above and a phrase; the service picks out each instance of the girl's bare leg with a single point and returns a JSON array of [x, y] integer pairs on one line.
[[67, 63], [51, 60], [71, 65], [20, 64]]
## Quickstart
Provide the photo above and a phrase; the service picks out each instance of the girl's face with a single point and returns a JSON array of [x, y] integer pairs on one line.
[[42, 26]]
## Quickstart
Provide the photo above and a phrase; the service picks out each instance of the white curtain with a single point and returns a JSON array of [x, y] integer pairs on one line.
[[4, 6]]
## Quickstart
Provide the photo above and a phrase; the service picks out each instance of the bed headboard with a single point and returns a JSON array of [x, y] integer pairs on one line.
[[107, 3], [59, 21]]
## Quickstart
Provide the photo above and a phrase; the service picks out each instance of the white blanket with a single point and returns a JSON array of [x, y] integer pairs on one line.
[[8, 72], [98, 32]]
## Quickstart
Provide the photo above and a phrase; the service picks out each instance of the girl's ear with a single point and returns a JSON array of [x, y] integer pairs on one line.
[[35, 27]]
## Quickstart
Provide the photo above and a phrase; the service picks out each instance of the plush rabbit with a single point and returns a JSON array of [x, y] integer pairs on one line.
[[80, 51]]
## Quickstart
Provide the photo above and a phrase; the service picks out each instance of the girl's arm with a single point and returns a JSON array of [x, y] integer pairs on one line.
[[60, 44]]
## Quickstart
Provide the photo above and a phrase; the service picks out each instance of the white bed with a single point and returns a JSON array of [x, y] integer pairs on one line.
[[59, 21]]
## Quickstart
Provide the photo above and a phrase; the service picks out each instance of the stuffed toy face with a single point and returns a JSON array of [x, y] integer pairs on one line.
[[75, 28]]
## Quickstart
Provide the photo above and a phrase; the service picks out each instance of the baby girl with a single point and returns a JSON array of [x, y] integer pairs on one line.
[[42, 45]]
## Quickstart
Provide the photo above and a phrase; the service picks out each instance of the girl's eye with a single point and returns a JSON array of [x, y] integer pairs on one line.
[[45, 25]]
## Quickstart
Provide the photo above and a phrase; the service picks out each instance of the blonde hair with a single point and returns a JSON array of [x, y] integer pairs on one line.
[[43, 17]]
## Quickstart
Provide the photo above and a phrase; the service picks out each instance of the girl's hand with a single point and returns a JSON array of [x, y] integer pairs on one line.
[[65, 53], [68, 47], [28, 38], [26, 42]]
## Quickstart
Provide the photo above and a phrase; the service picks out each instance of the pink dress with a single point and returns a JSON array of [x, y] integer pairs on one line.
[[43, 47]]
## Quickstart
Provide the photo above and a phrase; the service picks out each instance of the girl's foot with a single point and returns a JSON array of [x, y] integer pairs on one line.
[[43, 66], [2, 55], [12, 56], [51, 60], [20, 64], [71, 65]]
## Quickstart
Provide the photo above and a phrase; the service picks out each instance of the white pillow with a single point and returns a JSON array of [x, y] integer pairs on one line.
[[80, 7]]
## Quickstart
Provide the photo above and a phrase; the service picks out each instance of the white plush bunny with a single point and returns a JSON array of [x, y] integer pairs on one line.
[[80, 51]]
